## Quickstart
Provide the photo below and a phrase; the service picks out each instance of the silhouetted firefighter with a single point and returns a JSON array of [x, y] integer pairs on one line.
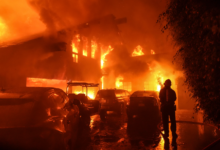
[[168, 108]]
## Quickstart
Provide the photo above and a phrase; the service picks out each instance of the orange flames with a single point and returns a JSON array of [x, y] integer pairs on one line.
[[138, 51], [109, 49], [75, 43], [90, 93], [102, 80], [74, 48], [3, 28], [152, 52], [94, 48], [119, 82]]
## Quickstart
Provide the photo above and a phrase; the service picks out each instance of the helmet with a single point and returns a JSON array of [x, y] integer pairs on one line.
[[167, 83]]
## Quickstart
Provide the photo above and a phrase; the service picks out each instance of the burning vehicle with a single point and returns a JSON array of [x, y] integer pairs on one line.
[[144, 104], [112, 100], [37, 118], [86, 105]]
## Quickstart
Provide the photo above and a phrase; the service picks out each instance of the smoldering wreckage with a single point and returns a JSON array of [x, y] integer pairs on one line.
[[49, 82]]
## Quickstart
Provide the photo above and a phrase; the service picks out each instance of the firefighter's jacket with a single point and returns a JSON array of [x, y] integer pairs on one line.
[[167, 99]]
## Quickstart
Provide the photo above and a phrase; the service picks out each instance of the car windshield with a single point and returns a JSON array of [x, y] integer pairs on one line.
[[119, 93], [105, 94], [143, 94]]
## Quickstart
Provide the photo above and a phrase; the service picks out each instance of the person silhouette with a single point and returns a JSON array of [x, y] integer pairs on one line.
[[168, 108]]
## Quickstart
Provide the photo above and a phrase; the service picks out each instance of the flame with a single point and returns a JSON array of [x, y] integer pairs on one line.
[[90, 94], [75, 43], [74, 48], [119, 82], [137, 51], [85, 46], [94, 48], [104, 55], [84, 52], [152, 52], [3, 28], [102, 80]]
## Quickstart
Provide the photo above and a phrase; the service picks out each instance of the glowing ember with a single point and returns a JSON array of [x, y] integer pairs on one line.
[[152, 52], [119, 82], [94, 48], [104, 55], [137, 51]]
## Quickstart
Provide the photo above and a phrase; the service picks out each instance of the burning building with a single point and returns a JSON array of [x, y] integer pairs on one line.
[[51, 60]]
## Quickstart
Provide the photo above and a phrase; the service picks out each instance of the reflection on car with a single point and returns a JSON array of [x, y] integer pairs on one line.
[[37, 118], [144, 104], [112, 100]]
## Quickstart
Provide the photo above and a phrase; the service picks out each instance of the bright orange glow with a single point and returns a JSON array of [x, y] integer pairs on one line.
[[74, 48], [93, 48], [138, 51], [119, 82], [75, 58], [85, 46], [102, 80], [158, 88], [40, 82], [90, 93], [3, 28], [75, 43], [84, 52], [109, 49], [159, 81], [152, 52]]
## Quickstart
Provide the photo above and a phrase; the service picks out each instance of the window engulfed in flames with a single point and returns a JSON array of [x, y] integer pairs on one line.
[[119, 82]]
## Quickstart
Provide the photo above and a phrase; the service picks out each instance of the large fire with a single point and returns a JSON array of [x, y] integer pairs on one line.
[[119, 82], [138, 51], [104, 54]]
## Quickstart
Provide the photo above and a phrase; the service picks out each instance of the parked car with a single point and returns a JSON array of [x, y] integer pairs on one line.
[[144, 104], [112, 100], [37, 118], [86, 105]]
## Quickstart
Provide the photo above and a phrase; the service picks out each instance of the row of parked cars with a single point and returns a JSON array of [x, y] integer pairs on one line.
[[49, 118], [140, 103]]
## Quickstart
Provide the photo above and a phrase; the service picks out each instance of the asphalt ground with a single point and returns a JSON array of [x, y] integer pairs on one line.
[[116, 133]]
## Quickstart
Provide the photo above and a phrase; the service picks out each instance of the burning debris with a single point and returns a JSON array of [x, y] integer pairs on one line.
[[138, 51]]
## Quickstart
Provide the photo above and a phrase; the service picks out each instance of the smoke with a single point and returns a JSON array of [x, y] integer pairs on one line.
[[27, 17], [18, 20]]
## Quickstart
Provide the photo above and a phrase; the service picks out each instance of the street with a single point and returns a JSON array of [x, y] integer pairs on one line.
[[117, 133]]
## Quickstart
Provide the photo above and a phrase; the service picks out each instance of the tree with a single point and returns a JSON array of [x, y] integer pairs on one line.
[[195, 27]]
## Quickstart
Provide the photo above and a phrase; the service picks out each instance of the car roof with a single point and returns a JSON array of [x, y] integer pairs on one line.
[[26, 92], [112, 90]]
